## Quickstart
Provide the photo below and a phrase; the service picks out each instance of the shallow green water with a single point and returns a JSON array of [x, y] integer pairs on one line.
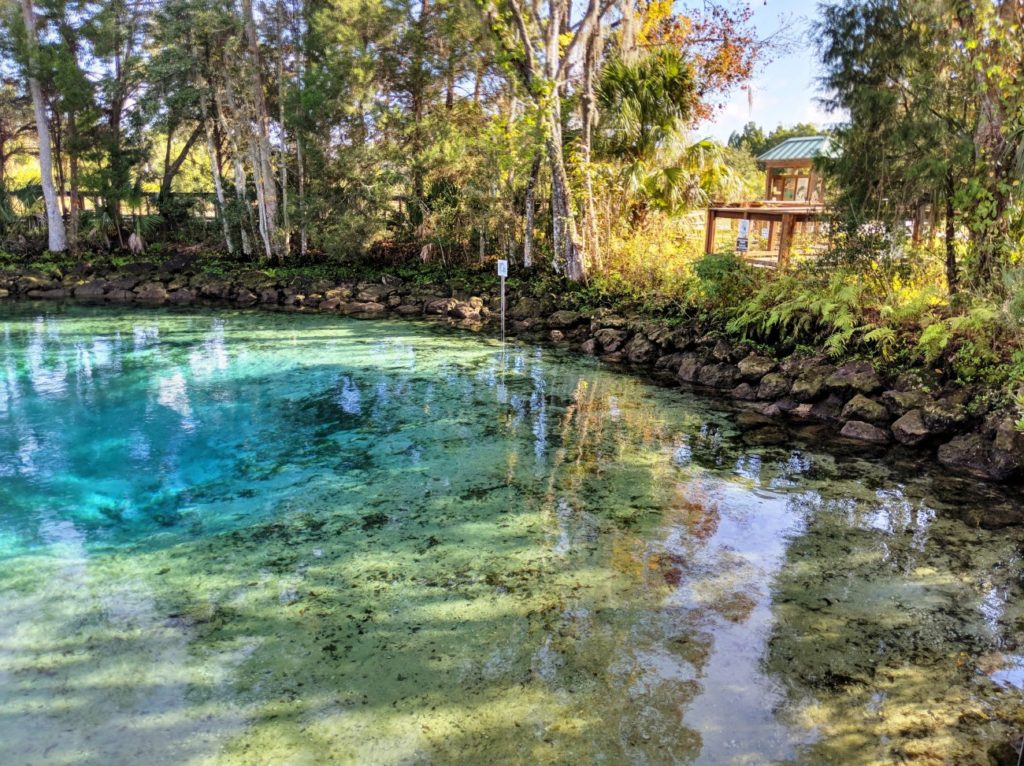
[[242, 538]]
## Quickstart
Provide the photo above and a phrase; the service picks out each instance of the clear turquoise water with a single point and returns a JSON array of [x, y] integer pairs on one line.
[[245, 538]]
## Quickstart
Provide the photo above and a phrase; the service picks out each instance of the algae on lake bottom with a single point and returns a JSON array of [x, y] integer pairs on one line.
[[241, 538]]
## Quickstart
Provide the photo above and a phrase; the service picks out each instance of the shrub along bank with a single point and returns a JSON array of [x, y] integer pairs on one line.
[[787, 351]]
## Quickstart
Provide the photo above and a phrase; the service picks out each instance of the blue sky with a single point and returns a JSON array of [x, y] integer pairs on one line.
[[785, 91]]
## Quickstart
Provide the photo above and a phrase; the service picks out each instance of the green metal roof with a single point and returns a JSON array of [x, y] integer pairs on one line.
[[799, 148]]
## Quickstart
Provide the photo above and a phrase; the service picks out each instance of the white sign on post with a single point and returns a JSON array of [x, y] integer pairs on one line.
[[502, 272], [742, 241]]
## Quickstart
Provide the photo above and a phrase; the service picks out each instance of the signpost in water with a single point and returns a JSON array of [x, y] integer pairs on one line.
[[502, 272]]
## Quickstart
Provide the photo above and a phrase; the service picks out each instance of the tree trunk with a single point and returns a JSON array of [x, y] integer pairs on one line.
[[285, 223], [245, 212], [76, 202], [57, 240], [171, 168], [265, 184], [531, 186], [265, 224], [218, 186], [588, 108], [300, 169], [564, 239], [952, 278], [56, 134]]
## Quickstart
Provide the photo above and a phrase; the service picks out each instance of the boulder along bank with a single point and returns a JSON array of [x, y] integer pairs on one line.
[[966, 429]]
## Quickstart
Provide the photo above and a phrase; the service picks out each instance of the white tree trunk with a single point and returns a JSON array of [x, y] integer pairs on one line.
[[54, 220], [218, 186], [286, 227], [239, 168], [264, 174]]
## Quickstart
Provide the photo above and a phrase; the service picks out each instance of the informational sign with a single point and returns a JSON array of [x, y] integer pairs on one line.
[[502, 272], [764, 232], [742, 241]]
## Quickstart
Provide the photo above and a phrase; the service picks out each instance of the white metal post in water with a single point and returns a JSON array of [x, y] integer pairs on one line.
[[502, 272]]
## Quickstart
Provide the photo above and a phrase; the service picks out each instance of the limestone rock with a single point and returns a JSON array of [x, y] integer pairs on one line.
[[828, 409], [865, 432], [902, 402], [974, 454], [722, 352], [245, 297], [855, 377], [526, 308], [610, 339], [861, 407], [719, 375], [372, 294], [754, 367], [811, 383], [360, 307], [744, 392], [640, 350], [944, 415], [563, 320], [440, 306], [153, 292], [911, 429], [689, 367], [465, 310], [772, 386], [52, 293], [215, 288]]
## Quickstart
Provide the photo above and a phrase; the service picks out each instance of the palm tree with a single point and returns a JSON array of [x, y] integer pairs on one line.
[[646, 109]]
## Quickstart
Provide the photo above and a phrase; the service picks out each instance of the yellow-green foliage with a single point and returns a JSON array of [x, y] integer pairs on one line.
[[893, 307]]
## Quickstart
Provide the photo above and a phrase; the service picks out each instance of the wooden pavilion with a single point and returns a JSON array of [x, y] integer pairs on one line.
[[793, 197]]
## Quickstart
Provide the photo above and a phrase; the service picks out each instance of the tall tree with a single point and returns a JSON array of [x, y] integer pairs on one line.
[[933, 92], [540, 59], [56, 236]]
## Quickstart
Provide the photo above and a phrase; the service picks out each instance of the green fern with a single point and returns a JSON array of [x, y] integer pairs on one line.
[[884, 339]]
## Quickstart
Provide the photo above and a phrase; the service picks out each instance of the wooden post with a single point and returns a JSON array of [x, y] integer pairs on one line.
[[771, 235], [786, 238], [709, 233], [767, 182]]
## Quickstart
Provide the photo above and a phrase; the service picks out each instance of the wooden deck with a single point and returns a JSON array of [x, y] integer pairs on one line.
[[782, 219]]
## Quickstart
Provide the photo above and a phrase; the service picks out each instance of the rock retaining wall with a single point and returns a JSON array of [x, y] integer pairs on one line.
[[960, 427]]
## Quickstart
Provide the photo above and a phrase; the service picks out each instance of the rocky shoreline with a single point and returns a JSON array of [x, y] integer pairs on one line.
[[965, 429]]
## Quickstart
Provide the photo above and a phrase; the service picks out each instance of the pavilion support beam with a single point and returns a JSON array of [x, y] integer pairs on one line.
[[786, 239], [709, 232]]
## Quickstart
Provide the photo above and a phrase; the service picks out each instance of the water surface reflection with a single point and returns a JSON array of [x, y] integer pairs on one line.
[[250, 538]]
